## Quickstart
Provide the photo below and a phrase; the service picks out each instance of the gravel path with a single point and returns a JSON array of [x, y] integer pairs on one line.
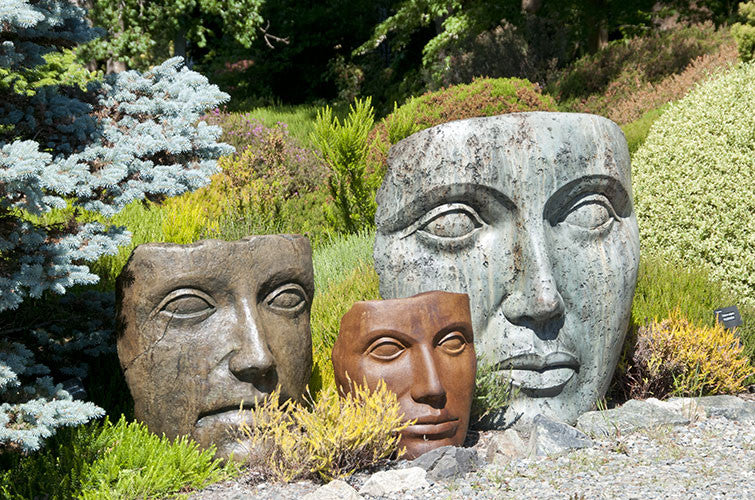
[[710, 459]]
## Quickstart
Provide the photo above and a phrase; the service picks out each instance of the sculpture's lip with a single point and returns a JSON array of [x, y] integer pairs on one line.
[[541, 375], [539, 362], [233, 413], [435, 430]]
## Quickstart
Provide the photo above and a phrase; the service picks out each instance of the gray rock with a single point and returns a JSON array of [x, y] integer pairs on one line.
[[505, 446], [447, 462], [730, 407], [550, 437], [631, 416], [395, 481], [334, 490]]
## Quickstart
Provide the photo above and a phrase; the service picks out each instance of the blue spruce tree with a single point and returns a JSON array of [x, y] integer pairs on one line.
[[128, 137]]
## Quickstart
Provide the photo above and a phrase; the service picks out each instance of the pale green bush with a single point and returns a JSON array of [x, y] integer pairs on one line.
[[694, 181]]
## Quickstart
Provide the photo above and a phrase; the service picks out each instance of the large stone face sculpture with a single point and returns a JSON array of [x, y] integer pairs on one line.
[[205, 327], [531, 215], [423, 348]]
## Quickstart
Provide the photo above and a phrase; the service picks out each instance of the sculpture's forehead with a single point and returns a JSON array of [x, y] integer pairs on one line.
[[515, 154], [215, 265], [420, 317]]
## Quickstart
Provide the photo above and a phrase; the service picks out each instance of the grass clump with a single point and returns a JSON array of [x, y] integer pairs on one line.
[[674, 357], [493, 391], [113, 461], [331, 438]]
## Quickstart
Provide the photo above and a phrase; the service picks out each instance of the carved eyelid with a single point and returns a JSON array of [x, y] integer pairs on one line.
[[181, 292], [290, 287], [383, 340], [585, 199], [440, 210]]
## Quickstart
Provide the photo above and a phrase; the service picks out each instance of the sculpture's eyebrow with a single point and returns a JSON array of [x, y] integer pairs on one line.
[[606, 185], [478, 196]]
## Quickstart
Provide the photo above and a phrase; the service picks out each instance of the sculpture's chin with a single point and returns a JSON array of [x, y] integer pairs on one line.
[[223, 430]]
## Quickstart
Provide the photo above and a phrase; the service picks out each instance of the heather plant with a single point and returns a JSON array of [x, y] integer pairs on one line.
[[78, 152], [693, 182], [482, 97], [744, 32], [630, 77], [328, 438], [674, 357], [628, 99]]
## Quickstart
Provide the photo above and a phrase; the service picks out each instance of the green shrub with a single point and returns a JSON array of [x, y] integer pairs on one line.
[[493, 391], [106, 460], [744, 33], [332, 438], [693, 182], [674, 357], [343, 145]]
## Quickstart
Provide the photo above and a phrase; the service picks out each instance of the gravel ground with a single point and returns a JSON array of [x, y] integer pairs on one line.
[[710, 459]]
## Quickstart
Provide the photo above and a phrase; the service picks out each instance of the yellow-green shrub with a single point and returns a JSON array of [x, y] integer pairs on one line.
[[328, 308], [674, 357], [333, 438]]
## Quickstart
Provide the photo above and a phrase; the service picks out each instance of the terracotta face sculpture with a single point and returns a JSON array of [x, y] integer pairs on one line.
[[531, 215], [423, 348], [205, 327]]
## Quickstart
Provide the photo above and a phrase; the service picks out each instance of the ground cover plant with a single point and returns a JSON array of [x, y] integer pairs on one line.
[[708, 140]]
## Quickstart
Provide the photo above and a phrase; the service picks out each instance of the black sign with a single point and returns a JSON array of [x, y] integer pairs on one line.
[[729, 317]]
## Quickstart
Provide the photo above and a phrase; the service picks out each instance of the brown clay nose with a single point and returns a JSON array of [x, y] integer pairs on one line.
[[252, 360], [427, 387]]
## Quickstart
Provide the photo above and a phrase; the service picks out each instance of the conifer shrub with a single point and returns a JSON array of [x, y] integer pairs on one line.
[[326, 439], [82, 153], [674, 357], [693, 182]]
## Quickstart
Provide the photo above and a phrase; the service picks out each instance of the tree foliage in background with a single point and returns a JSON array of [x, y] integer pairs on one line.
[[143, 33], [70, 157], [744, 32]]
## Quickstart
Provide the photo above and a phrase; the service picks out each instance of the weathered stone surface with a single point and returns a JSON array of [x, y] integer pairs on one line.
[[447, 462], [550, 437], [334, 490], [423, 349], [384, 483], [207, 326], [631, 416], [531, 215], [504, 446], [730, 407]]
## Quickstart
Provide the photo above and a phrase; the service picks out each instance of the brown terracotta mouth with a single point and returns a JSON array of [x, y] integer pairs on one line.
[[433, 431]]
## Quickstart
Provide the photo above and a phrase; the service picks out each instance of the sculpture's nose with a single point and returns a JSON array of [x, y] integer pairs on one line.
[[427, 387], [535, 298], [252, 362]]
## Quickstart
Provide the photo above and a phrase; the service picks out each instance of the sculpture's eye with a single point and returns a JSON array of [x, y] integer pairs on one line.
[[453, 343], [187, 303], [449, 222], [593, 212], [289, 298], [386, 349]]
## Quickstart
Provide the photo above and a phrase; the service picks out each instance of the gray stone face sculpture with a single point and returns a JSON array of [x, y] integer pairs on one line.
[[531, 215], [203, 328]]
